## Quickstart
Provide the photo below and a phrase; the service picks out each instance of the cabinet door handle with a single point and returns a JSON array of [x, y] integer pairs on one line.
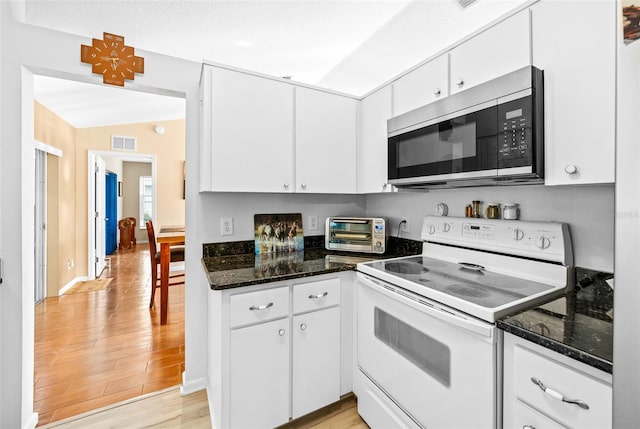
[[318, 296], [528, 427], [570, 169], [436, 91], [261, 307], [557, 395], [459, 81], [286, 185], [303, 326], [303, 186], [281, 332]]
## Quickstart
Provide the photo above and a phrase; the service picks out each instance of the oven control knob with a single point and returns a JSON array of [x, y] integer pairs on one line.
[[431, 229], [446, 227], [543, 242], [378, 244], [517, 234]]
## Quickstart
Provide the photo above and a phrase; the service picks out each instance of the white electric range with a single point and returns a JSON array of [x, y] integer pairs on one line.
[[428, 349]]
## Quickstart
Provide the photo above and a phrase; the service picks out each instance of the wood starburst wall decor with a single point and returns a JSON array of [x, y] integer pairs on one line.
[[112, 59]]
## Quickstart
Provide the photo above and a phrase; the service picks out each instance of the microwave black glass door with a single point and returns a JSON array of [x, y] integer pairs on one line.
[[464, 143]]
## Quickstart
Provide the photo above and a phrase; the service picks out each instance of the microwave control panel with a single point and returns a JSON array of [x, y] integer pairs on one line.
[[515, 136]]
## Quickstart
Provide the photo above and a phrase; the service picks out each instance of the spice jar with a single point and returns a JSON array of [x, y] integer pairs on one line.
[[510, 211], [475, 208], [468, 211], [493, 211]]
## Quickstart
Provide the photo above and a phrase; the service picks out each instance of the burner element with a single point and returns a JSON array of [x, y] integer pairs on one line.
[[409, 268], [465, 290]]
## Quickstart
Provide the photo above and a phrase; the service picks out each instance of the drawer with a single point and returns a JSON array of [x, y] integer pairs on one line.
[[569, 382], [527, 418], [315, 295], [258, 306]]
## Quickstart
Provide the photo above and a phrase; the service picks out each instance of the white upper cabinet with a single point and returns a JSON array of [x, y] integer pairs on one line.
[[248, 128], [421, 86], [579, 81], [325, 136], [499, 50], [372, 142]]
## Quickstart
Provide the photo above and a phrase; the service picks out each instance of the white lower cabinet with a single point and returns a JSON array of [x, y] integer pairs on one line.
[[315, 360], [544, 389], [259, 374], [277, 351]]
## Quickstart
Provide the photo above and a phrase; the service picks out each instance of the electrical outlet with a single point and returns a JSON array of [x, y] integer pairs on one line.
[[69, 264], [226, 226], [404, 225], [313, 223]]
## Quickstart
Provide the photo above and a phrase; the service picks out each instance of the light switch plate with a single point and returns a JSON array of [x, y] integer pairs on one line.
[[226, 226]]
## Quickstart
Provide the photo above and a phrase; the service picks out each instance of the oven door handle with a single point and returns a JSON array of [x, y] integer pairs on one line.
[[431, 308]]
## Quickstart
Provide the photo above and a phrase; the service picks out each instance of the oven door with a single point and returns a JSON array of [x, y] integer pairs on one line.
[[439, 367], [460, 145]]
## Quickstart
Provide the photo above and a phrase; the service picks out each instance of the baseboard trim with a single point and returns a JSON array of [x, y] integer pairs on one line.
[[71, 284], [192, 386], [32, 422]]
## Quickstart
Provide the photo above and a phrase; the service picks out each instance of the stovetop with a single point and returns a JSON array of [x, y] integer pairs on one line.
[[459, 269]]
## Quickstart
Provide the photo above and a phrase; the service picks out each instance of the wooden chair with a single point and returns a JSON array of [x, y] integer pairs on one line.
[[177, 255], [134, 222], [127, 233]]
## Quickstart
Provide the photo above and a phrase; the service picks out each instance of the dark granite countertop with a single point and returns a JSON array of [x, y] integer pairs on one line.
[[578, 325], [231, 265]]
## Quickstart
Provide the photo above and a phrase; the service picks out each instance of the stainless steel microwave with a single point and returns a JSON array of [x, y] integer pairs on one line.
[[356, 234], [489, 134]]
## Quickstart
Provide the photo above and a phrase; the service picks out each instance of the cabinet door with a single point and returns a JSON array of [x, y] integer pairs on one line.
[[372, 142], [259, 375], [527, 418], [579, 83], [421, 86], [325, 142], [498, 50], [250, 132], [316, 360]]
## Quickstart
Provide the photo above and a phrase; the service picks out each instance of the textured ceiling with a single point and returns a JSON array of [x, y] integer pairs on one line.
[[351, 46]]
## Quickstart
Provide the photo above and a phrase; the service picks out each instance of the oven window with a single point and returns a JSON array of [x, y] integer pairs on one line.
[[427, 353]]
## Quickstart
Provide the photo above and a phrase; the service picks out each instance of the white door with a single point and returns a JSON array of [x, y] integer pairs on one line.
[[99, 216], [259, 374], [316, 360], [40, 227]]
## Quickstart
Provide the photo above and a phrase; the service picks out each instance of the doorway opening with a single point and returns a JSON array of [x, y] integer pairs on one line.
[[124, 332]]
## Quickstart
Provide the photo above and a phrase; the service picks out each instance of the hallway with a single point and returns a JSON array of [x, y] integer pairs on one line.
[[98, 348]]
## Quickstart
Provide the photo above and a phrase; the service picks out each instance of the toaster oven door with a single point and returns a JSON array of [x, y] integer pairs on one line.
[[350, 234]]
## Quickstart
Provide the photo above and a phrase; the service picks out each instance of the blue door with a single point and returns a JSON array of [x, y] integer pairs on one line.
[[111, 212]]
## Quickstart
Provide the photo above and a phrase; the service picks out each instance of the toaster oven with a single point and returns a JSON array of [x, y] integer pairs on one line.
[[356, 234]]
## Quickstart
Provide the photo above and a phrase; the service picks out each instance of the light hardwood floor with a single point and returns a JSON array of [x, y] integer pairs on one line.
[[99, 348], [167, 409]]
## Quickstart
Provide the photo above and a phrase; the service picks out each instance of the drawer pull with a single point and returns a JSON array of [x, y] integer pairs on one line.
[[261, 307], [528, 427], [318, 296], [557, 395]]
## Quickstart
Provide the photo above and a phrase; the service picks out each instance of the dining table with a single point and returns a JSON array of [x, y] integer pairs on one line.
[[168, 235]]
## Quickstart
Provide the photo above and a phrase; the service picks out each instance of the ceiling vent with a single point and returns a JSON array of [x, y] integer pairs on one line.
[[465, 3], [123, 143]]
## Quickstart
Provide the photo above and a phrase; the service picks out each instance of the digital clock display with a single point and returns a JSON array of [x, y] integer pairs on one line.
[[514, 114]]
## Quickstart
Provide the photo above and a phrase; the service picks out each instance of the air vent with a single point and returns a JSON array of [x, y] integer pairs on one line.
[[465, 3], [123, 143]]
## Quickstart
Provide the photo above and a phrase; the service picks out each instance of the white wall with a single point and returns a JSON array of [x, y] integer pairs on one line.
[[588, 210], [56, 54], [626, 341], [242, 207]]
